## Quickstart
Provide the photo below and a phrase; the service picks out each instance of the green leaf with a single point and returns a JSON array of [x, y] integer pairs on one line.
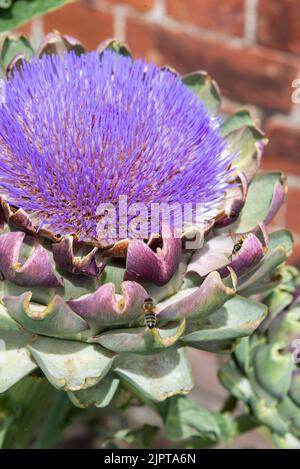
[[22, 11], [245, 143], [290, 412], [264, 276], [236, 121], [259, 201], [242, 353], [184, 419], [243, 424], [281, 238], [276, 302], [146, 434], [273, 370], [290, 278], [201, 84], [142, 436], [286, 327], [14, 45], [233, 380], [268, 415]]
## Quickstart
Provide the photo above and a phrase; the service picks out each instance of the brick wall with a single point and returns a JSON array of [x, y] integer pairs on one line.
[[251, 47]]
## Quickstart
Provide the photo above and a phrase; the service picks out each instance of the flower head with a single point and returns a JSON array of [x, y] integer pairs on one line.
[[79, 131]]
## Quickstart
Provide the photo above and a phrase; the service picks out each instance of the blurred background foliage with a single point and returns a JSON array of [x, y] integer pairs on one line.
[[14, 13]]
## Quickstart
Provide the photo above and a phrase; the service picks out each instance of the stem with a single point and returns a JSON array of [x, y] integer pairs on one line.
[[243, 424], [29, 401], [51, 432], [229, 405]]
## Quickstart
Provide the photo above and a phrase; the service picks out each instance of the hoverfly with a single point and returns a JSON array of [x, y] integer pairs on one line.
[[237, 246]]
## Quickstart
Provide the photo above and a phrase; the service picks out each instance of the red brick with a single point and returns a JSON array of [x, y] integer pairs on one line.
[[288, 217], [278, 24], [142, 5], [220, 15], [292, 210], [250, 75], [294, 258], [87, 24], [284, 141], [269, 163], [229, 107], [279, 221], [25, 29]]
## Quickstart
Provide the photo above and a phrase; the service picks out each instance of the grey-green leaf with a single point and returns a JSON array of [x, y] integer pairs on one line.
[[158, 376], [15, 360], [99, 395], [140, 340], [273, 370], [239, 317], [71, 365]]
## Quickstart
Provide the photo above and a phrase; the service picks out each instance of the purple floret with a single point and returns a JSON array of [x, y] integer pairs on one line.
[[77, 131]]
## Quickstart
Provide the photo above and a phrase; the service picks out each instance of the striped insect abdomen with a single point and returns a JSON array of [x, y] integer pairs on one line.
[[150, 318]]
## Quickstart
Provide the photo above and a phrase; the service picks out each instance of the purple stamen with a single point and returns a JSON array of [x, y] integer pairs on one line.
[[79, 131]]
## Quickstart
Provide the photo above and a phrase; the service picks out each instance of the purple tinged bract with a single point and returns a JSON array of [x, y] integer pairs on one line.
[[79, 131]]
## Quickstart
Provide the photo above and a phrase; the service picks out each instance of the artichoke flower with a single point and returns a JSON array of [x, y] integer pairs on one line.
[[80, 129], [264, 370]]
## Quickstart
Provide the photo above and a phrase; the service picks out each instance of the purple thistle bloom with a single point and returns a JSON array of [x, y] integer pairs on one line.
[[77, 131]]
